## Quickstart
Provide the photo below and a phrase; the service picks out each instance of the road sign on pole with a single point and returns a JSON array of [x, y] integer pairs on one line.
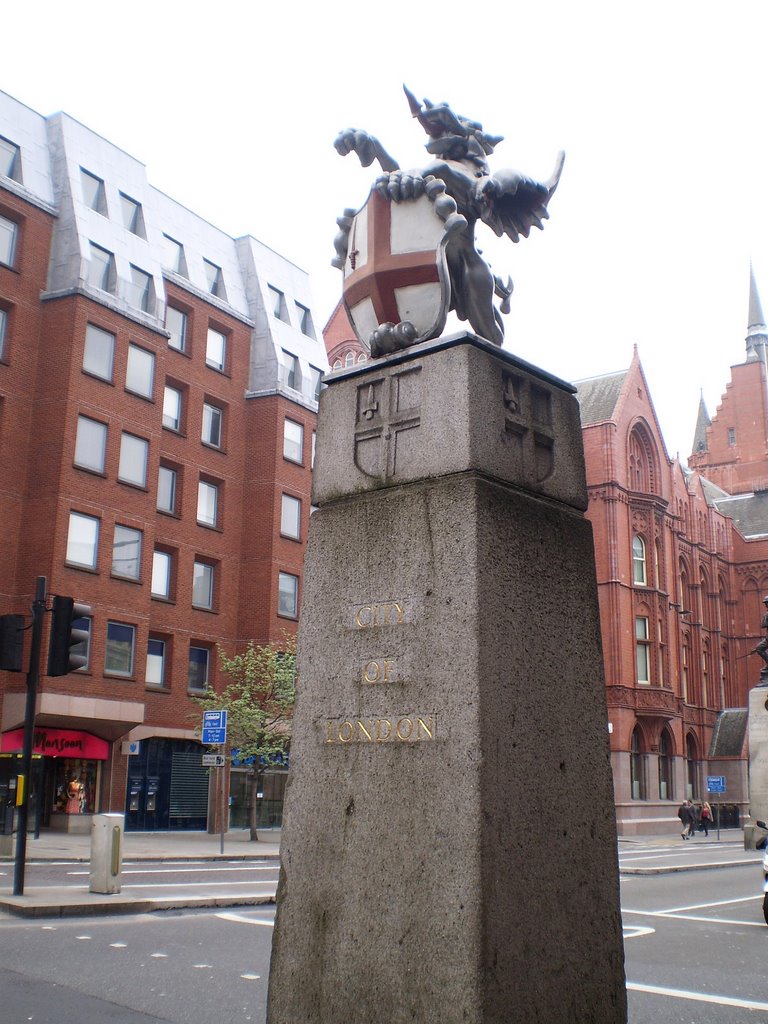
[[214, 727], [214, 760], [716, 783]]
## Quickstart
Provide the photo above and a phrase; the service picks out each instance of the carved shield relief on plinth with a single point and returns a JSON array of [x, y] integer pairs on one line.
[[387, 424], [395, 270]]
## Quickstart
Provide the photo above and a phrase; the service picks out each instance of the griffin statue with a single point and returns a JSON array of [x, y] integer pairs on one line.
[[463, 190]]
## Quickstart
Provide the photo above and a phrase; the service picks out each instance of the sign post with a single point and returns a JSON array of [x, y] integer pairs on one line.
[[215, 734], [716, 784]]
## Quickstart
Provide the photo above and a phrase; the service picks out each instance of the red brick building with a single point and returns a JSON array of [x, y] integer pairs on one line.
[[158, 395], [682, 565]]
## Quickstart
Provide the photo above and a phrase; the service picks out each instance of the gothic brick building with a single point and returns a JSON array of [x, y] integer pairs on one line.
[[682, 565]]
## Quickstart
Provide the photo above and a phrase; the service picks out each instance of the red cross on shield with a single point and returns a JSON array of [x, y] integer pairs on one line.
[[396, 269]]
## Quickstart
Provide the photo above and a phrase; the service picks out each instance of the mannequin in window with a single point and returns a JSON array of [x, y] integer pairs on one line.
[[75, 796]]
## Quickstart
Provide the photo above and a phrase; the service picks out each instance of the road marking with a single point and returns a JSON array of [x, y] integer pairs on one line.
[[203, 967], [242, 919], [188, 885], [634, 931], [159, 956], [706, 906], [250, 977], [175, 871], [82, 937], [700, 997], [119, 945]]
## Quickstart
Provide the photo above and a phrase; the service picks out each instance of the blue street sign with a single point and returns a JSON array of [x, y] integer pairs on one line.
[[716, 783], [214, 727]]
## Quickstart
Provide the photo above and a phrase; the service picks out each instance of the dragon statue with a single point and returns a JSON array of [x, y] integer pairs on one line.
[[464, 191]]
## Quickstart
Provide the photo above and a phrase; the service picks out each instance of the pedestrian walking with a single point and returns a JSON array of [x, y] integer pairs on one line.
[[706, 817], [686, 816]]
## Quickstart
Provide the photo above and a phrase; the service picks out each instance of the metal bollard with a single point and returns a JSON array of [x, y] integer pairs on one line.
[[106, 853]]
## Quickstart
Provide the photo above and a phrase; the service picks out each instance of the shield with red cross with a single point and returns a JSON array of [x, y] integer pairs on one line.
[[396, 270]]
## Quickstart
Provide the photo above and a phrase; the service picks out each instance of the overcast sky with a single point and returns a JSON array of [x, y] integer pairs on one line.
[[659, 105]]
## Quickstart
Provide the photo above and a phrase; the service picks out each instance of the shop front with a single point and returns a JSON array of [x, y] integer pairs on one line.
[[66, 775]]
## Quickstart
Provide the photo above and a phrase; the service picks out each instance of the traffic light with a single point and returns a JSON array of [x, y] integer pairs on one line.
[[65, 637], [11, 642]]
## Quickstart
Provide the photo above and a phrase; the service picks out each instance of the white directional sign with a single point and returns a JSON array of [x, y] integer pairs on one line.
[[214, 727], [213, 760]]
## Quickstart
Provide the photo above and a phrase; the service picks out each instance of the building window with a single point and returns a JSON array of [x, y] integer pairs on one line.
[[207, 503], [173, 256], [214, 279], [101, 269], [94, 195], [161, 574], [289, 373], [705, 677], [362, 358], [638, 561], [349, 359], [172, 408], [337, 364], [277, 303], [141, 291], [305, 321], [118, 659], [314, 446], [290, 517], [684, 670], [315, 382], [199, 668], [731, 437], [126, 553], [10, 159], [665, 768], [691, 758], [288, 595], [176, 325], [293, 441], [3, 331], [167, 486], [82, 540], [215, 349], [134, 452], [637, 780], [155, 670], [99, 352], [662, 652], [8, 233], [90, 444], [133, 218], [140, 372], [202, 585], [212, 421], [643, 649]]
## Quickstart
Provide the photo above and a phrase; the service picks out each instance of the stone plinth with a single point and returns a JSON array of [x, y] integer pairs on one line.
[[449, 844], [758, 753]]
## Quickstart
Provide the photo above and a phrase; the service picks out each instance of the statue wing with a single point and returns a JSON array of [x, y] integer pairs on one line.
[[511, 204]]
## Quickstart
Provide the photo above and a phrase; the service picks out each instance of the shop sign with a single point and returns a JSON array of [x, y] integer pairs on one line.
[[57, 743]]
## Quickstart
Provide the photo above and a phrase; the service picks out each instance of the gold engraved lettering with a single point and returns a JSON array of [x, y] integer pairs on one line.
[[408, 729], [388, 613], [401, 723], [377, 671]]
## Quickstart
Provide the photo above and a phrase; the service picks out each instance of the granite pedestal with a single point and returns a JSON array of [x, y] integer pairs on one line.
[[449, 844]]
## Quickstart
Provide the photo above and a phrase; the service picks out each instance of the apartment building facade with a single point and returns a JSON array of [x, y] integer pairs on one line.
[[158, 396]]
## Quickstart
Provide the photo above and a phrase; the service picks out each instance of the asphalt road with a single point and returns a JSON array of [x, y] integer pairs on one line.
[[695, 943]]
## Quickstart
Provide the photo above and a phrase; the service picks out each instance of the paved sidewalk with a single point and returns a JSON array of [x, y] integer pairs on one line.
[[58, 901]]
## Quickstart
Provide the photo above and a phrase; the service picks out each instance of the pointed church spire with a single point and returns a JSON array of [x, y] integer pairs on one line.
[[757, 332], [702, 422]]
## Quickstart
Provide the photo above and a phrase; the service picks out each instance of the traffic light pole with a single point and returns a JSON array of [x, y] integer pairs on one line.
[[33, 678]]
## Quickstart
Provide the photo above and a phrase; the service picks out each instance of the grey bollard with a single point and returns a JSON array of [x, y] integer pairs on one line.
[[106, 853]]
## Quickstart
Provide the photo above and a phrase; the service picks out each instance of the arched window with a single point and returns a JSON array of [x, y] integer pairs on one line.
[[638, 561], [706, 599], [705, 668], [362, 358], [642, 462], [349, 359], [685, 657], [337, 364], [691, 768], [636, 767], [665, 767]]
